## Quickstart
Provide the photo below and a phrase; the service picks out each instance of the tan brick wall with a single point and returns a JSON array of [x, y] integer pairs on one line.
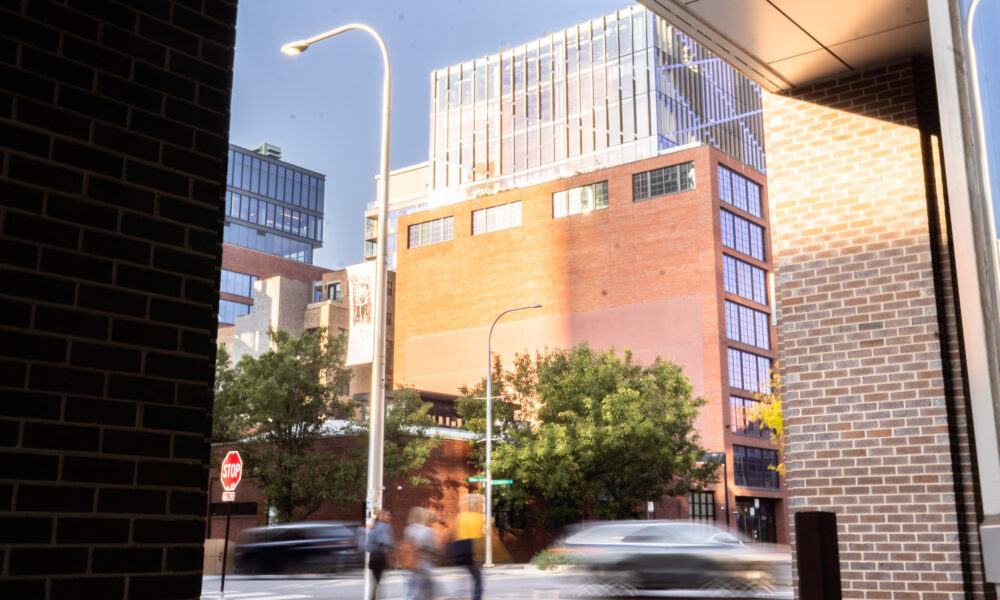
[[867, 401]]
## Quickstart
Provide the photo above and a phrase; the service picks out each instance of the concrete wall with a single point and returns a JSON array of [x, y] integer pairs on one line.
[[114, 119], [875, 410]]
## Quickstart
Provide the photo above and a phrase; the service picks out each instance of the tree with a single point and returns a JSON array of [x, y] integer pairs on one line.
[[768, 412], [605, 434], [407, 445], [278, 406]]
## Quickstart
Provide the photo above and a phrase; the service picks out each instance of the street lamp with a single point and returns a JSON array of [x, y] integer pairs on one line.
[[488, 525], [720, 457], [376, 437]]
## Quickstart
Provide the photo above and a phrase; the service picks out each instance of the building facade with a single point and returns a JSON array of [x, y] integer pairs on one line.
[[273, 206], [668, 256], [283, 302], [273, 224], [407, 194], [613, 172], [243, 267], [620, 88]]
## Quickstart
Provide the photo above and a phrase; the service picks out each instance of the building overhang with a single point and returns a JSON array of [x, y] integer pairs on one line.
[[784, 44]]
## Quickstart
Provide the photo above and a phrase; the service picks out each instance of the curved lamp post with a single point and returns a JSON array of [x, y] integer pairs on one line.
[[488, 525], [376, 437]]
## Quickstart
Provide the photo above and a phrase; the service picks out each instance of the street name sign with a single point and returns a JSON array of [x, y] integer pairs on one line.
[[495, 481]]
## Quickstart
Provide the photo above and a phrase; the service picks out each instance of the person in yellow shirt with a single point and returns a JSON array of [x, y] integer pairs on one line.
[[466, 547]]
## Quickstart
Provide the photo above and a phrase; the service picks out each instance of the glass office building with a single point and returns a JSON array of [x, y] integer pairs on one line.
[[613, 90], [273, 206]]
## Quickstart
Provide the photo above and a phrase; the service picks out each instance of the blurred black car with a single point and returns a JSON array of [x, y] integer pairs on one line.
[[675, 555], [308, 547]]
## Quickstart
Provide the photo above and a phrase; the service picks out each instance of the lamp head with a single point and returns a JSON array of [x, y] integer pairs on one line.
[[295, 48], [536, 305]]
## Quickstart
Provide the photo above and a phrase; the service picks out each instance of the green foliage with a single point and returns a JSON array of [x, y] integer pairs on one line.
[[607, 434], [274, 408], [547, 559], [407, 444]]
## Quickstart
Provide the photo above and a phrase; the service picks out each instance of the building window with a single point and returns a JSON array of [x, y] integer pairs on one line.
[[496, 218], [663, 181], [747, 325], [371, 230], [749, 372], [229, 310], [265, 241], [742, 235], [273, 216], [744, 280], [754, 467], [432, 232], [333, 291], [370, 248], [738, 191], [238, 284], [742, 421], [581, 199], [701, 506], [388, 318], [388, 288]]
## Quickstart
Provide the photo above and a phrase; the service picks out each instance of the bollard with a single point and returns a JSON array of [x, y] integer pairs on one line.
[[817, 555]]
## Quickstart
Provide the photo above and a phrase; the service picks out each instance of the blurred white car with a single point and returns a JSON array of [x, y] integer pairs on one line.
[[676, 555]]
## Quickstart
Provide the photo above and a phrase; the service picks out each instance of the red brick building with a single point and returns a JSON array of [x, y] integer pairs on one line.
[[678, 272]]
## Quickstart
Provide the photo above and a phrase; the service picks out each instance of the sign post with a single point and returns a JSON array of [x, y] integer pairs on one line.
[[230, 474]]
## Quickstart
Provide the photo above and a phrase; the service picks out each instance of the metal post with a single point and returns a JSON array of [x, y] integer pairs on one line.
[[225, 552], [376, 439], [725, 487], [488, 508]]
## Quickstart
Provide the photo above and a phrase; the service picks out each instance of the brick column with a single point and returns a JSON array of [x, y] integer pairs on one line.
[[874, 406], [114, 119]]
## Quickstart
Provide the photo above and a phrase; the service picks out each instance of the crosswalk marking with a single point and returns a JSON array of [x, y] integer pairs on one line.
[[235, 595]]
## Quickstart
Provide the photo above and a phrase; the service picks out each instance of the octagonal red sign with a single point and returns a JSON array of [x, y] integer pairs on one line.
[[231, 470]]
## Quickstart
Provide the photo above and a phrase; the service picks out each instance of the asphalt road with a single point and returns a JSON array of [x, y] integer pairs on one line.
[[509, 583]]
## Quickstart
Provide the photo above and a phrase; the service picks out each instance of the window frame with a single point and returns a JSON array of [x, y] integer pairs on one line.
[[653, 183], [596, 196]]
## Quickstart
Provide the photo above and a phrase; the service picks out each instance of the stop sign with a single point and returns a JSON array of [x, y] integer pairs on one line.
[[231, 471]]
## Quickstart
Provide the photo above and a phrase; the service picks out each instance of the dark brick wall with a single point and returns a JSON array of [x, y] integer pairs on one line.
[[114, 122]]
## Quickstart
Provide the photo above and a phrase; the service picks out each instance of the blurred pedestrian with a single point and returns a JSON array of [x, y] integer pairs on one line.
[[420, 545], [379, 545], [468, 538]]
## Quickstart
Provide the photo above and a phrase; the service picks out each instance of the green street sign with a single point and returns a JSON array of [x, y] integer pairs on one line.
[[495, 481]]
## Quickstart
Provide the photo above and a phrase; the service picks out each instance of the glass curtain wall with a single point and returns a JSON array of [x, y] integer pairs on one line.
[[272, 206], [616, 89]]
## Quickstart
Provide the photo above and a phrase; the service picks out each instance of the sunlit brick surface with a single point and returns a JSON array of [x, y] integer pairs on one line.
[[868, 335]]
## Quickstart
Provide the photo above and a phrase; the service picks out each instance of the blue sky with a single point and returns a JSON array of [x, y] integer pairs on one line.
[[323, 107], [987, 49]]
